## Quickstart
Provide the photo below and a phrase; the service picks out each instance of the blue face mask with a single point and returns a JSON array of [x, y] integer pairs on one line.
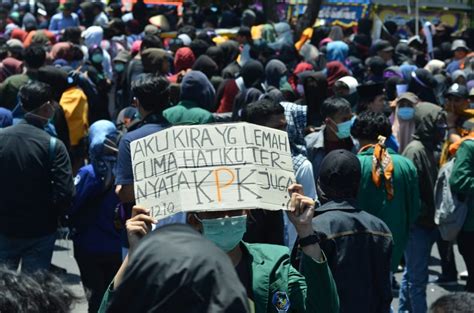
[[406, 113], [97, 58], [226, 232], [119, 67], [344, 129]]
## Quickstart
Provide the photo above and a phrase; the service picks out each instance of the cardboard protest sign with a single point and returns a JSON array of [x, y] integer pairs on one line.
[[212, 168]]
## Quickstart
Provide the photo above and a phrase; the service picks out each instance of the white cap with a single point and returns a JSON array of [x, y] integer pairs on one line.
[[351, 82]]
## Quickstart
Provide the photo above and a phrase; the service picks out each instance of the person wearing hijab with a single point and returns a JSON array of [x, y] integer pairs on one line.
[[230, 65], [309, 53], [284, 36], [334, 71], [314, 90], [403, 127], [96, 241], [6, 118], [294, 81], [346, 87], [243, 98], [337, 51], [210, 68], [183, 61], [435, 66], [92, 39], [389, 183], [406, 70], [376, 67], [175, 269], [10, 66], [197, 97], [155, 61], [430, 130], [251, 75], [336, 33]]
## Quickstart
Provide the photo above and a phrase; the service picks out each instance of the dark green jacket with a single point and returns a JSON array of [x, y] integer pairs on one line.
[[313, 291], [462, 179], [187, 113], [9, 90]]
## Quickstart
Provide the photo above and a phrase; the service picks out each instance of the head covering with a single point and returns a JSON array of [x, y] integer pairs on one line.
[[19, 34], [103, 148], [339, 174], [284, 36], [93, 36], [136, 46], [175, 269], [151, 30], [457, 90], [274, 70], [230, 50], [324, 42], [9, 67], [337, 51], [56, 78], [6, 118], [206, 65], [315, 92], [61, 50], [457, 74], [195, 87], [185, 39], [309, 52], [423, 84], [426, 116], [404, 130], [336, 33], [300, 68], [392, 71], [407, 70], [160, 21], [351, 82], [14, 44], [335, 70], [123, 56], [434, 66], [152, 60], [252, 73], [382, 45], [377, 66], [459, 44], [184, 59], [296, 118], [370, 91]]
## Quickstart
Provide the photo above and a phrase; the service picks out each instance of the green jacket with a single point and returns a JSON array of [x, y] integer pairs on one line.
[[312, 291], [462, 179], [400, 212], [187, 113]]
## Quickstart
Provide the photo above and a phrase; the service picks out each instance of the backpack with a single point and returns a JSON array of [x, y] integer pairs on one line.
[[450, 211]]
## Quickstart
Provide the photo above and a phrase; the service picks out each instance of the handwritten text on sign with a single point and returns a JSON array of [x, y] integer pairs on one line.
[[212, 168]]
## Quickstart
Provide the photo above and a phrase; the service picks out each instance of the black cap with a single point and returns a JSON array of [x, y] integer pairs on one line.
[[370, 91], [244, 31], [457, 90], [340, 172], [383, 45]]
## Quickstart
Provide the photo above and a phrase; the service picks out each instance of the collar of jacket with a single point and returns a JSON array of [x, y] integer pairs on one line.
[[260, 277], [339, 205], [370, 151]]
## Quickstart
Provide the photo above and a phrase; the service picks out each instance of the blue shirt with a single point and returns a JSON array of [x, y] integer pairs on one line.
[[60, 22], [124, 170]]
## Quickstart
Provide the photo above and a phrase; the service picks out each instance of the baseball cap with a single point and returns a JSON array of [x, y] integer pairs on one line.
[[409, 96], [457, 90], [339, 172]]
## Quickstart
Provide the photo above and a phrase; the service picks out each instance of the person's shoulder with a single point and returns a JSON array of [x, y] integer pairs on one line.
[[315, 140], [143, 131], [467, 144], [15, 79]]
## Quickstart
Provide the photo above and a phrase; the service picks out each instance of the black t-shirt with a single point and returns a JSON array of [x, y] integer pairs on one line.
[[244, 271]]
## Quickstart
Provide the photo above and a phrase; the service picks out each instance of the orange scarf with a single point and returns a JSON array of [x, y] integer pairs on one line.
[[382, 166], [453, 148]]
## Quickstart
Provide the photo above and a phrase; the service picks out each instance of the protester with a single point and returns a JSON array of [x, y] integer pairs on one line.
[[430, 129], [404, 119], [96, 240], [389, 182], [28, 233], [357, 245], [335, 134]]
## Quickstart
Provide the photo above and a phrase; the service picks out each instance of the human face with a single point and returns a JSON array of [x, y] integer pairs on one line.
[[386, 55], [457, 104], [341, 90], [441, 127], [460, 54], [276, 121], [378, 104]]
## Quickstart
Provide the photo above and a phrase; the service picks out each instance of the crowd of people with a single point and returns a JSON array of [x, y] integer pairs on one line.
[[381, 130]]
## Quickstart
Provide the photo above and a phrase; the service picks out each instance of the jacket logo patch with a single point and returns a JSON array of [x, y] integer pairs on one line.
[[281, 301]]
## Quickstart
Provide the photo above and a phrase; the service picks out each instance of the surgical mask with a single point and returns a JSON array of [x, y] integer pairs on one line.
[[119, 67], [344, 129], [97, 58], [283, 81], [300, 89], [226, 232], [406, 113]]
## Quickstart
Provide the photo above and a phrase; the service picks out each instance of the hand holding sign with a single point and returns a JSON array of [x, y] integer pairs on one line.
[[301, 211], [212, 168]]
